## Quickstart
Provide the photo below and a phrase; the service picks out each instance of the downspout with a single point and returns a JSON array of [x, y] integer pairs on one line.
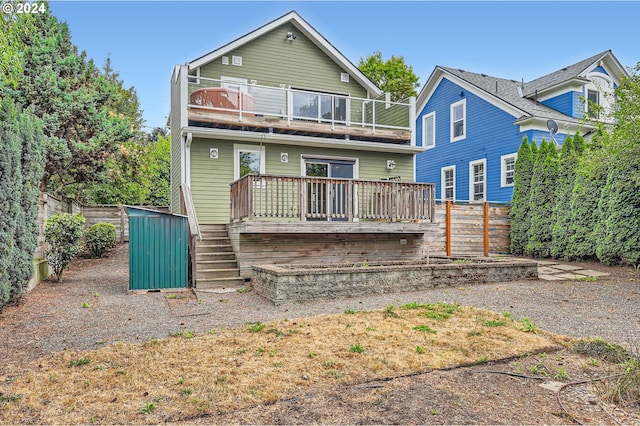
[[412, 119]]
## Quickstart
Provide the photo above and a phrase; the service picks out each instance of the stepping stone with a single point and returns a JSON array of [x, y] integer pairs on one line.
[[567, 267], [549, 277], [592, 273], [546, 262], [571, 276], [547, 270]]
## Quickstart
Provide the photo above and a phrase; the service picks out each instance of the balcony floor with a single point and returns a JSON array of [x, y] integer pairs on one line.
[[200, 118]]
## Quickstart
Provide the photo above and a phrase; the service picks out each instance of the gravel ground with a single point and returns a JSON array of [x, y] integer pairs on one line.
[[91, 307]]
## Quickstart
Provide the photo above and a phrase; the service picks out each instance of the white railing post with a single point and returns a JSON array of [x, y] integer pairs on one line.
[[412, 119]]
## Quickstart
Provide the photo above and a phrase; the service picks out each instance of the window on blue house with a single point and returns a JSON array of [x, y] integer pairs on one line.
[[459, 120], [448, 183], [593, 103], [477, 180], [429, 130], [507, 170]]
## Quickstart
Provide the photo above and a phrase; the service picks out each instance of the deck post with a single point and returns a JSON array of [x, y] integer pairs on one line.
[[448, 229], [486, 228]]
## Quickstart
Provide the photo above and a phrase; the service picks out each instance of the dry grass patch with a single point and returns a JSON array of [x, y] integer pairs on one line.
[[231, 368]]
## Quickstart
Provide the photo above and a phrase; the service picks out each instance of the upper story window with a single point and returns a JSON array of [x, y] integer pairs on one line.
[[598, 95], [507, 170], [459, 120], [429, 130], [593, 103]]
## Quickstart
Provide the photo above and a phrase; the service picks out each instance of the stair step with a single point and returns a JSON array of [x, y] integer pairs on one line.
[[215, 248], [217, 264], [207, 235], [220, 283], [214, 240], [218, 273], [210, 257]]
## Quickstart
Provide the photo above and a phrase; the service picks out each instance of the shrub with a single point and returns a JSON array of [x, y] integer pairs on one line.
[[63, 234], [100, 238]]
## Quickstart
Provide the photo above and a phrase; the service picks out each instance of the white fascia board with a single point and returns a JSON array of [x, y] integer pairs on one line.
[[540, 123], [575, 85], [284, 139], [303, 26], [611, 64], [439, 74]]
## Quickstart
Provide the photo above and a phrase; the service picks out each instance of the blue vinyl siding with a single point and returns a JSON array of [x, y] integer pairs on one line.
[[569, 103], [490, 134], [538, 135]]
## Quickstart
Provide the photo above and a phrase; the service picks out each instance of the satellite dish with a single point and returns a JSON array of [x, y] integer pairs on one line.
[[553, 129]]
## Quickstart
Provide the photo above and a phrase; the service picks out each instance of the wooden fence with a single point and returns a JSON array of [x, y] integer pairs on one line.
[[114, 214], [470, 229]]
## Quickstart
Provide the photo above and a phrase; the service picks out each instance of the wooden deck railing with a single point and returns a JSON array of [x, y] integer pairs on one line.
[[256, 197]]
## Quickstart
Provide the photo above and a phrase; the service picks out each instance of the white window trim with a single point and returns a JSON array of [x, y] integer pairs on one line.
[[304, 158], [237, 148], [424, 130], [471, 181], [503, 169], [462, 102], [443, 192]]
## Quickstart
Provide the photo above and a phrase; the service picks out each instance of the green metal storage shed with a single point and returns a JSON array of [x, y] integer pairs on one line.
[[158, 250]]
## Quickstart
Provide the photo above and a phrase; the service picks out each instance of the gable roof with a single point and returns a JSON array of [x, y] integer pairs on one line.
[[503, 93], [576, 71], [304, 27]]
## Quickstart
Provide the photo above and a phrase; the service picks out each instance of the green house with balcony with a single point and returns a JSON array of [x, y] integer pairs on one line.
[[282, 152]]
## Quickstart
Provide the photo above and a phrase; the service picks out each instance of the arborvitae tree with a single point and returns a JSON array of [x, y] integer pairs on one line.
[[542, 200], [619, 240], [619, 236], [591, 176], [21, 164], [520, 205], [562, 207]]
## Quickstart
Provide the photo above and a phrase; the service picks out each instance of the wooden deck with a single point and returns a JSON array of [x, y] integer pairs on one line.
[[273, 124]]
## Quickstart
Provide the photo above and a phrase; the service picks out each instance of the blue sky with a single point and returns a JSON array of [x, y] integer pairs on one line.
[[516, 40]]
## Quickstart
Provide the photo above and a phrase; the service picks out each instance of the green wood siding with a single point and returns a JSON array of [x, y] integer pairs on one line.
[[211, 178], [175, 147], [272, 60]]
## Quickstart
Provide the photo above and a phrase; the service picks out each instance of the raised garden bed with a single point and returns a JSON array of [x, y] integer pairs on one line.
[[298, 283]]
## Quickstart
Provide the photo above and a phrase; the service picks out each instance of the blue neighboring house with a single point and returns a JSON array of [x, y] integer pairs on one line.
[[472, 125]]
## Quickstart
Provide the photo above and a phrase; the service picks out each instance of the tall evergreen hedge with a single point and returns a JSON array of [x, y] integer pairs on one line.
[[520, 212], [21, 168], [565, 181], [542, 200]]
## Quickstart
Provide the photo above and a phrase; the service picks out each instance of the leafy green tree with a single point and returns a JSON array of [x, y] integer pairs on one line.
[[63, 234], [85, 113], [393, 76], [542, 200], [520, 212], [138, 174]]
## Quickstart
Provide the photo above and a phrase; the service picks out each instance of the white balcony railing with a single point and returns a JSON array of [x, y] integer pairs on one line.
[[240, 101]]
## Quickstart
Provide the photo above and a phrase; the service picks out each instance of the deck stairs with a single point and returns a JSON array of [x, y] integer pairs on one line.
[[216, 261]]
